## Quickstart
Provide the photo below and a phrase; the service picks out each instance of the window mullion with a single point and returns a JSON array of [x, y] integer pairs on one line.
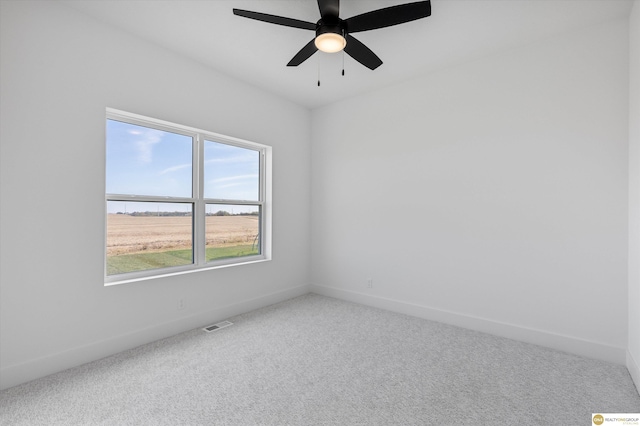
[[239, 202], [148, 198], [199, 238]]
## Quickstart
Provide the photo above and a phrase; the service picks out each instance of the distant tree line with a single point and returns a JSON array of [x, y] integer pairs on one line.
[[148, 213], [226, 213], [218, 213]]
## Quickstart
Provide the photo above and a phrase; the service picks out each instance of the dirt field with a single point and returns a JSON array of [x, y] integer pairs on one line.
[[134, 234]]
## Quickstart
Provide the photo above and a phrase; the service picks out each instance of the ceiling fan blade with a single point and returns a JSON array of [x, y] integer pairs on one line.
[[329, 8], [389, 16], [304, 54], [361, 53], [273, 19]]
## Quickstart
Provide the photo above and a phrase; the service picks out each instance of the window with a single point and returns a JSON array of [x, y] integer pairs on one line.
[[180, 199]]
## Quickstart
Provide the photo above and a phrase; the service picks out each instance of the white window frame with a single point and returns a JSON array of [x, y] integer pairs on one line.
[[197, 200]]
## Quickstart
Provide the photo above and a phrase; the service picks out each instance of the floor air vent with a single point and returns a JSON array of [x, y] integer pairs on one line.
[[217, 326]]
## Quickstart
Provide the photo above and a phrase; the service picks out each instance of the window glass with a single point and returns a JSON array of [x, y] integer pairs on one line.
[[148, 235], [232, 231], [147, 161], [231, 172]]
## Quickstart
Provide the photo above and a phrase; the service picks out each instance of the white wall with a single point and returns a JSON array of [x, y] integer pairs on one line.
[[633, 355], [492, 195], [59, 71]]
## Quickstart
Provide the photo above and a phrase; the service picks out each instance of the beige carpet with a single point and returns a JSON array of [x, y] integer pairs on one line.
[[314, 360]]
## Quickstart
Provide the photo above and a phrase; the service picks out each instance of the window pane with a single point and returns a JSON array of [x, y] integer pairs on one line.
[[232, 231], [142, 236], [230, 172], [146, 161]]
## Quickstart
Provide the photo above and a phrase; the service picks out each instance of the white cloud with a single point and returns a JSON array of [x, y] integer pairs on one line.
[[175, 168], [229, 185], [232, 178], [229, 160], [144, 145]]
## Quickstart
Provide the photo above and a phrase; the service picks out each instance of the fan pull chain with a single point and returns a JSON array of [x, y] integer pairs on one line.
[[343, 62], [318, 70]]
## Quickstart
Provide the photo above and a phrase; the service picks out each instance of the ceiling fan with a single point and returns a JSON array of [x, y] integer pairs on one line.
[[334, 34]]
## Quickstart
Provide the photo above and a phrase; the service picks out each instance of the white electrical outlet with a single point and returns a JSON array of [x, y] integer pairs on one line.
[[369, 282], [181, 304]]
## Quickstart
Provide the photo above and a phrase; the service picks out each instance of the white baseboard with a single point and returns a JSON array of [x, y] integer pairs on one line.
[[559, 342], [16, 374], [634, 370]]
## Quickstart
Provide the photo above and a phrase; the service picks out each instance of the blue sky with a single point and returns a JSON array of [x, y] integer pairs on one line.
[[230, 172], [145, 161]]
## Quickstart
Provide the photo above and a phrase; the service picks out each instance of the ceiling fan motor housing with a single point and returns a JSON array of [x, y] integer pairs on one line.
[[335, 27]]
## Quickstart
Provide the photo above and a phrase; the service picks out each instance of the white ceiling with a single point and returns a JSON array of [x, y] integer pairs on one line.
[[257, 53]]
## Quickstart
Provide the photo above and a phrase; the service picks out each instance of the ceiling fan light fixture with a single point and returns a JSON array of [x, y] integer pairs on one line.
[[330, 42]]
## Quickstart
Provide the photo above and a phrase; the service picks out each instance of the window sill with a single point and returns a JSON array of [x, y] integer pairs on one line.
[[116, 281]]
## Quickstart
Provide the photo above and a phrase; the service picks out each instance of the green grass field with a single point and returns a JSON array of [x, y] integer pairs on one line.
[[144, 261]]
